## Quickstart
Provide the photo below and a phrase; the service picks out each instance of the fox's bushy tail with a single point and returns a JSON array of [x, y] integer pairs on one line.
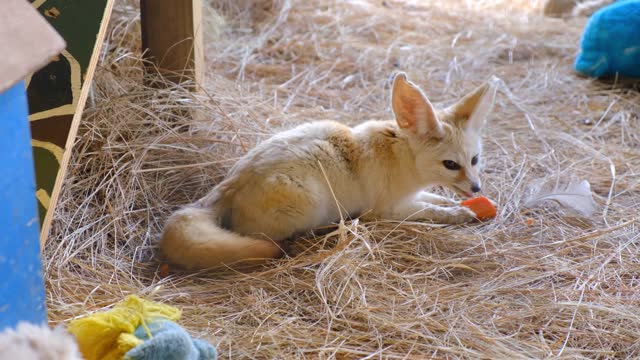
[[193, 238]]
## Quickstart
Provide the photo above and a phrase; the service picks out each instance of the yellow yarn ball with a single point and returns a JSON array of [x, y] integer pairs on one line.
[[109, 335]]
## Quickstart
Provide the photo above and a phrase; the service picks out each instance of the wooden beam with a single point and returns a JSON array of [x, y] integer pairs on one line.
[[172, 38]]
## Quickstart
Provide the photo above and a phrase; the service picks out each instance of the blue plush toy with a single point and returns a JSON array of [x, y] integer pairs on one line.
[[611, 41]]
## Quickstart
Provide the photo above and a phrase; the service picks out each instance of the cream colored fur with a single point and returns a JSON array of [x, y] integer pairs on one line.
[[32, 342], [313, 174]]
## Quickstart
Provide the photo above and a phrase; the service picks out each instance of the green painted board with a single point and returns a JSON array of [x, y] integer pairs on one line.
[[57, 92]]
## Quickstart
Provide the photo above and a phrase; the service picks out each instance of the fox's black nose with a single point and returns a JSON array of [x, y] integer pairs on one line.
[[475, 188]]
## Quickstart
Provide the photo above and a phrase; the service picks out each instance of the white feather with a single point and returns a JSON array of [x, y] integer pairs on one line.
[[574, 195]]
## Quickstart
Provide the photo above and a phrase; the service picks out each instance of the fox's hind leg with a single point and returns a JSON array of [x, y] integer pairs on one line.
[[281, 206]]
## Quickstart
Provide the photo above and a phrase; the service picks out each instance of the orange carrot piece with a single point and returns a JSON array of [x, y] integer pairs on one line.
[[482, 206], [164, 271]]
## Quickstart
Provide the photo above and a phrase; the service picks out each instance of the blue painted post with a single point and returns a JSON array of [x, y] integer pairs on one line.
[[21, 284]]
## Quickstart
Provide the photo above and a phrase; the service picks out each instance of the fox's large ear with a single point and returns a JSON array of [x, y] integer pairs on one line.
[[412, 109], [473, 109]]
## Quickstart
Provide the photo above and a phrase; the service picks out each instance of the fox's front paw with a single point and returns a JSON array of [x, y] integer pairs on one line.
[[460, 215], [435, 199]]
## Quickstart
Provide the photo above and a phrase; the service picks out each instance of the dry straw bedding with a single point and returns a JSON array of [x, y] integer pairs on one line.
[[533, 283]]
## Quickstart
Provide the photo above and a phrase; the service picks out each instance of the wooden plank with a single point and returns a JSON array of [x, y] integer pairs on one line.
[[57, 94], [172, 38]]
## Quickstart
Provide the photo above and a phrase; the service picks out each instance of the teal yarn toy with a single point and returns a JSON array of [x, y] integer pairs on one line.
[[169, 341], [610, 43]]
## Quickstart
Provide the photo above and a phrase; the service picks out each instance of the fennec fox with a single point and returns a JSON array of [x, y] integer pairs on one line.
[[296, 180]]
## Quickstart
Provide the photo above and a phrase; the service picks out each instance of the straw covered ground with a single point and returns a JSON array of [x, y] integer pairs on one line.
[[540, 282]]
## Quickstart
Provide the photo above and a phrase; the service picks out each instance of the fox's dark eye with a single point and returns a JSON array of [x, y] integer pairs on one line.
[[451, 165], [474, 160]]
